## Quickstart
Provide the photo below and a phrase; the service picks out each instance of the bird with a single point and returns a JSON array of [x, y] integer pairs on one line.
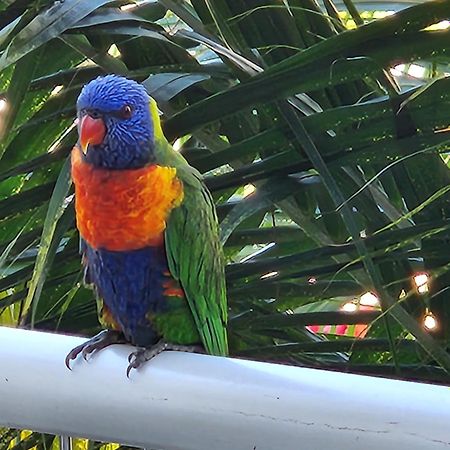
[[149, 234]]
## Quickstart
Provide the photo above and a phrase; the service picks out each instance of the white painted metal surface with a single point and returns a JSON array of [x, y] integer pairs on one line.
[[184, 401]]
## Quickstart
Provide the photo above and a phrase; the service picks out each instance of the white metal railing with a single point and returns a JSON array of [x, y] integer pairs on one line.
[[188, 401]]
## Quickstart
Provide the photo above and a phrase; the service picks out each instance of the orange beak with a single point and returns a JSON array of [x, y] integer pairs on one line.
[[91, 131]]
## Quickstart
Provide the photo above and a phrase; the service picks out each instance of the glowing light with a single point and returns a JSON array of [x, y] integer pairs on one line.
[[369, 299], [349, 307], [128, 6], [443, 25], [439, 26], [3, 104], [56, 90], [312, 280], [429, 321], [248, 189], [421, 280], [416, 71], [398, 70], [269, 275]]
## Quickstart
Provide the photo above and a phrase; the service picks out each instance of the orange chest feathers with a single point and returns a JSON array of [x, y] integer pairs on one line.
[[123, 210]]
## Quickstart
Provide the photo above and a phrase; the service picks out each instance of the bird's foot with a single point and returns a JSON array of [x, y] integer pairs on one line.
[[98, 342], [139, 357]]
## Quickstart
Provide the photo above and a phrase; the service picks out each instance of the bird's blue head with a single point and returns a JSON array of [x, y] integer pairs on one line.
[[115, 127]]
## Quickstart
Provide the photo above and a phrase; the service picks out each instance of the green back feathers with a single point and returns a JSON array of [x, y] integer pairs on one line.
[[193, 249]]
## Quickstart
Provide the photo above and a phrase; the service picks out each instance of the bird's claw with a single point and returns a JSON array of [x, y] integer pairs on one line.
[[98, 342], [86, 352], [135, 359], [72, 355], [139, 357]]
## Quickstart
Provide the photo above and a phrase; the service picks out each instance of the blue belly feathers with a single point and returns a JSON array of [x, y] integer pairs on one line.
[[131, 285]]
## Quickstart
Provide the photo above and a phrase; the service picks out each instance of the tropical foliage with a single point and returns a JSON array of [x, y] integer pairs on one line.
[[331, 181]]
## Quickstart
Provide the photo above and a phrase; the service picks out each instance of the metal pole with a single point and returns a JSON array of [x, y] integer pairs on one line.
[[65, 443]]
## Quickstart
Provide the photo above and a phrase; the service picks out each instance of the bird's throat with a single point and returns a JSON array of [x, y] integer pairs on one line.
[[123, 210]]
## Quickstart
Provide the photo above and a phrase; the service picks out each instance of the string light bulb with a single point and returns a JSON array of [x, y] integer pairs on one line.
[[429, 321], [421, 281], [369, 299], [349, 307]]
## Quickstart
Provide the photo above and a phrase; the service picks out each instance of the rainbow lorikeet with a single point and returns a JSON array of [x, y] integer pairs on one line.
[[148, 226]]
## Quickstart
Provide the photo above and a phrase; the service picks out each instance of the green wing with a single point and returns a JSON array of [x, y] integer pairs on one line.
[[194, 253], [196, 259]]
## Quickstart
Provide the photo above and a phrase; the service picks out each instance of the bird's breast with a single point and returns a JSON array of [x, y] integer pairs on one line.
[[122, 210]]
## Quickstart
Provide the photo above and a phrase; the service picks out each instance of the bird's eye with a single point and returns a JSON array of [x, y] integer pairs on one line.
[[126, 111]]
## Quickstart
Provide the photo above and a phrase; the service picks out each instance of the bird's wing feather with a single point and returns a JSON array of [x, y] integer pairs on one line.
[[194, 253], [195, 258]]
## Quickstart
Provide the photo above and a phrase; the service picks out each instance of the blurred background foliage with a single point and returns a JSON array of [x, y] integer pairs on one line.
[[323, 132]]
